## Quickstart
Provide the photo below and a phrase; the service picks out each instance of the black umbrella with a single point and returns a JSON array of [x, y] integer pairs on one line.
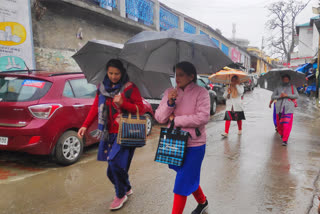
[[272, 79]]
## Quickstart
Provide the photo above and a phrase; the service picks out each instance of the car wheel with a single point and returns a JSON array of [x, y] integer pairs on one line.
[[149, 123], [69, 148], [213, 107]]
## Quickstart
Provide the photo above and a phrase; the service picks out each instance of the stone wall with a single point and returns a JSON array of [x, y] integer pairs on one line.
[[64, 28]]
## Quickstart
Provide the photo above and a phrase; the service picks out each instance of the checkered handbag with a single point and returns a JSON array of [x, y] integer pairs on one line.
[[132, 130], [172, 146]]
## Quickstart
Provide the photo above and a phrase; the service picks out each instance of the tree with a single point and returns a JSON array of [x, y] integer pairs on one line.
[[282, 22]]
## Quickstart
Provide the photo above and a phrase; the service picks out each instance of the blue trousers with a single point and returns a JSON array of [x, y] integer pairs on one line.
[[118, 169]]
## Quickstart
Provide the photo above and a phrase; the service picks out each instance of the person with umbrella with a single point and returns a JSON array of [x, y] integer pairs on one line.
[[234, 108], [115, 95], [188, 107], [233, 95], [286, 96]]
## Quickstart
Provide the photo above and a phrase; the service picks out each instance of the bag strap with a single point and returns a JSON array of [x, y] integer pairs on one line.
[[138, 114], [292, 90]]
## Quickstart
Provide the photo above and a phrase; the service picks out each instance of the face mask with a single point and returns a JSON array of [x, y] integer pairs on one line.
[[285, 84]]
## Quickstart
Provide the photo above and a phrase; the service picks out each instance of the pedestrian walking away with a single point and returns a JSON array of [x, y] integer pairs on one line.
[[115, 95], [188, 106], [286, 96], [234, 108]]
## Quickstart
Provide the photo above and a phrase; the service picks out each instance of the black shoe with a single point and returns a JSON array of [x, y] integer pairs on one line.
[[284, 143], [201, 208]]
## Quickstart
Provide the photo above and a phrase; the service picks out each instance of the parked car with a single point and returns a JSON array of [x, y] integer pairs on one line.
[[217, 87], [213, 95], [41, 112]]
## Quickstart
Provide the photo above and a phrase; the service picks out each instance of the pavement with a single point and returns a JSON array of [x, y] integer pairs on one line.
[[251, 173]]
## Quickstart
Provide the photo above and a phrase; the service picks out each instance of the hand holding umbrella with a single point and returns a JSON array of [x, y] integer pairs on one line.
[[118, 100], [172, 96]]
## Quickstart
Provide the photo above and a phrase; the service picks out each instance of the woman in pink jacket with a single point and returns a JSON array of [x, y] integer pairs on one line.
[[189, 107]]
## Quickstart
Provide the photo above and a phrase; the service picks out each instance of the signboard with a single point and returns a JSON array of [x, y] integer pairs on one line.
[[16, 41]]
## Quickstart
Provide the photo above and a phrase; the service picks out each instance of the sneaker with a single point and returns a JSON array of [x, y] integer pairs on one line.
[[284, 143], [130, 192], [201, 208], [118, 203], [240, 132], [224, 135]]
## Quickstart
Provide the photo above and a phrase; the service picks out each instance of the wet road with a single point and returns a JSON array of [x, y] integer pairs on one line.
[[244, 174]]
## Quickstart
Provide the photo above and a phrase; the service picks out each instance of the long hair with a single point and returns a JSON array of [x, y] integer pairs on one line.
[[234, 91], [119, 65]]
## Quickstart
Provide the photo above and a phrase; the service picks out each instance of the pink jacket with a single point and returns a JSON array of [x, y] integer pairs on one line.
[[192, 110]]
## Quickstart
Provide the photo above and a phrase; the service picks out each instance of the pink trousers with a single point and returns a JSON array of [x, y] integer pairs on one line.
[[284, 125]]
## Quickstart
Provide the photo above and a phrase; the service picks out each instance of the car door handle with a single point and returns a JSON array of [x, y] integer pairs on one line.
[[78, 106]]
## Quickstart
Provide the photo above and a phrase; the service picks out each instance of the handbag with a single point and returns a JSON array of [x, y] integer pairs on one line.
[[172, 146], [294, 100], [132, 130]]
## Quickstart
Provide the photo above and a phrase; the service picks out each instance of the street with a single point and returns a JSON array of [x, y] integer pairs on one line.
[[252, 173]]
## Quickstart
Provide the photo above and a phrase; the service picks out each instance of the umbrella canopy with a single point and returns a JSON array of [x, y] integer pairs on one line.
[[160, 51], [272, 79], [225, 76], [93, 57]]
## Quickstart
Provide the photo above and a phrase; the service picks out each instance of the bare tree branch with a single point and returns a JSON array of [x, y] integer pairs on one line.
[[283, 16]]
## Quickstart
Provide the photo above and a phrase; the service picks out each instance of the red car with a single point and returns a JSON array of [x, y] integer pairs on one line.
[[41, 112]]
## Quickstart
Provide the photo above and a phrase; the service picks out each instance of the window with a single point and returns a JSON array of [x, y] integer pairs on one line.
[[216, 41], [203, 33], [13, 89], [67, 91], [189, 28], [225, 49], [168, 20], [201, 83], [82, 89]]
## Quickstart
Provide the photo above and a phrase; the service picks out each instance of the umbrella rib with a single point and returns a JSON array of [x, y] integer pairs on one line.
[[144, 66]]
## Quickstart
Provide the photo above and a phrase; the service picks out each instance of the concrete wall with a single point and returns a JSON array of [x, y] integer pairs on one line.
[[305, 41], [55, 34], [315, 40]]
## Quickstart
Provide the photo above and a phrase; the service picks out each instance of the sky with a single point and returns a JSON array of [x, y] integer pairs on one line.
[[249, 16]]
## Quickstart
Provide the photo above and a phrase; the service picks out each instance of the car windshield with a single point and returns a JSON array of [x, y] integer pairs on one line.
[[201, 83], [206, 80], [14, 89]]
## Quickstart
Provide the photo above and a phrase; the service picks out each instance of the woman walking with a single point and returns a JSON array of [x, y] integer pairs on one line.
[[115, 95], [188, 107], [286, 96], [234, 109]]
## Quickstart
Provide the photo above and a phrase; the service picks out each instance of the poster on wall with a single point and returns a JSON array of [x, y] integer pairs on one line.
[[16, 40]]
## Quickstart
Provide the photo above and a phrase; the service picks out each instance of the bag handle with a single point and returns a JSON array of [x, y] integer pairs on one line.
[[138, 115], [171, 126]]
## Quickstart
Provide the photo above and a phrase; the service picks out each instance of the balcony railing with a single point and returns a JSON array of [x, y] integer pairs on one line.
[[189, 28], [168, 20], [140, 10]]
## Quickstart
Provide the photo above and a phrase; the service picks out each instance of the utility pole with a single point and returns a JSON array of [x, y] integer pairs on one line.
[[234, 31], [316, 10]]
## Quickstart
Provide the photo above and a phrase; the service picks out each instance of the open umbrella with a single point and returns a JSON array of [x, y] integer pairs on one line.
[[93, 57], [224, 76], [160, 51], [272, 79]]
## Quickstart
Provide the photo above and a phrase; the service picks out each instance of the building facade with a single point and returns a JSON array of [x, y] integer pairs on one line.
[[307, 43], [60, 28]]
